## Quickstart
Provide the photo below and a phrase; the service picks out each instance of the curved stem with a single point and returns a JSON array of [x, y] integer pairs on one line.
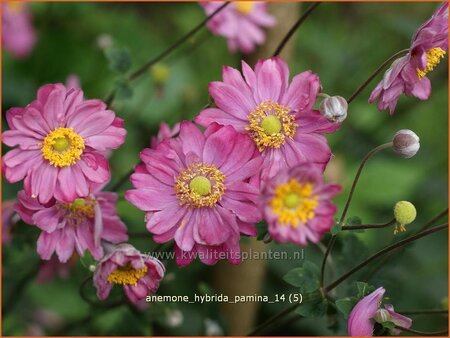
[[294, 28], [384, 251], [347, 204], [434, 220], [169, 50], [421, 333], [368, 226], [358, 174], [375, 73]]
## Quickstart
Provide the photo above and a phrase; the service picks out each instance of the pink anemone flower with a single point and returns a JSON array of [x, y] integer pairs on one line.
[[199, 188], [57, 141], [407, 75], [18, 35], [361, 321], [242, 23], [278, 116], [124, 265], [297, 206], [76, 226]]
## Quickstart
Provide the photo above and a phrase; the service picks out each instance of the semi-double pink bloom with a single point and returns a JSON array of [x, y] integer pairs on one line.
[[58, 140], [407, 75], [276, 114]]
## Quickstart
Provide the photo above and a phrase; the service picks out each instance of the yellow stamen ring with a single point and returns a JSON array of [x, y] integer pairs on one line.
[[62, 147], [200, 185], [126, 275], [269, 125], [294, 203], [434, 56]]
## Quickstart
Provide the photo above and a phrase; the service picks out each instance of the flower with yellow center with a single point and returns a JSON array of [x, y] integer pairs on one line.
[[294, 203], [127, 275], [62, 147], [269, 125], [244, 7], [200, 185], [434, 56]]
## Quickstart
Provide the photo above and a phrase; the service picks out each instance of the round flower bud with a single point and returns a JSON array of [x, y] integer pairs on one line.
[[382, 316], [406, 143], [334, 108], [404, 212]]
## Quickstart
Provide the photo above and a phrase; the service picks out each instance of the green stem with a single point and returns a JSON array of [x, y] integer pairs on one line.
[[382, 252], [421, 333], [368, 226]]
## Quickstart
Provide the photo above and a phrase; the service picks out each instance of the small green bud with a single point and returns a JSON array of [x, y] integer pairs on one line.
[[405, 212], [382, 316]]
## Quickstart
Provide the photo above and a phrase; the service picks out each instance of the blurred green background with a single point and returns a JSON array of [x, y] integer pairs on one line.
[[343, 43]]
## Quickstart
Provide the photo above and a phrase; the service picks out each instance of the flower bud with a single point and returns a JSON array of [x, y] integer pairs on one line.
[[406, 143], [382, 316], [334, 108]]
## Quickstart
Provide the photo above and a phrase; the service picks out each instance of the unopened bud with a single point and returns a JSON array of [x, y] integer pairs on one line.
[[92, 268], [382, 316], [334, 108], [406, 143]]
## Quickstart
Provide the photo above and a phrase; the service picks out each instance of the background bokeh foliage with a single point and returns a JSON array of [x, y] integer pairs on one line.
[[343, 43]]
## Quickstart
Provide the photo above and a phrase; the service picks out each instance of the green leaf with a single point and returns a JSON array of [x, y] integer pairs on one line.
[[119, 59], [354, 220], [363, 289], [336, 229], [388, 325], [314, 305], [306, 277], [345, 305]]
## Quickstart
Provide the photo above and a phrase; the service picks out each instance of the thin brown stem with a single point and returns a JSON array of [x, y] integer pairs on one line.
[[375, 73], [434, 220], [382, 252], [296, 25], [368, 226], [422, 333], [169, 50]]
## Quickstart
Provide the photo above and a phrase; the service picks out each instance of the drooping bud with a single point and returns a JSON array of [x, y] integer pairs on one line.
[[382, 316], [406, 143], [334, 108]]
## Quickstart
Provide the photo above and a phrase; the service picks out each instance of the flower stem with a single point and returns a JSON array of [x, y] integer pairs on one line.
[[384, 251], [169, 50], [375, 73], [347, 204], [368, 226], [434, 220], [424, 312], [294, 28], [421, 333]]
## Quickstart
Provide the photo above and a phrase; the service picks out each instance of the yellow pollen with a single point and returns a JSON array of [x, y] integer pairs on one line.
[[294, 203], [244, 7], [200, 185], [434, 56], [80, 208], [62, 147], [126, 275], [269, 125]]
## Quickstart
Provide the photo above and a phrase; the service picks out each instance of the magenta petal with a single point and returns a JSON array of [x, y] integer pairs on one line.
[[360, 321], [422, 89], [215, 115], [302, 92], [230, 100], [46, 244], [269, 81], [47, 219]]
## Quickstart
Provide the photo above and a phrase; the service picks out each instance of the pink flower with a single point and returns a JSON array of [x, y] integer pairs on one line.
[[361, 321], [73, 81], [407, 75], [139, 274], [241, 23], [195, 189], [76, 226], [163, 133], [9, 218], [297, 206], [278, 116], [18, 35], [57, 139]]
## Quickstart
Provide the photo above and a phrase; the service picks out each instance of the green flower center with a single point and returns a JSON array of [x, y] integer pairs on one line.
[[271, 124], [200, 185]]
